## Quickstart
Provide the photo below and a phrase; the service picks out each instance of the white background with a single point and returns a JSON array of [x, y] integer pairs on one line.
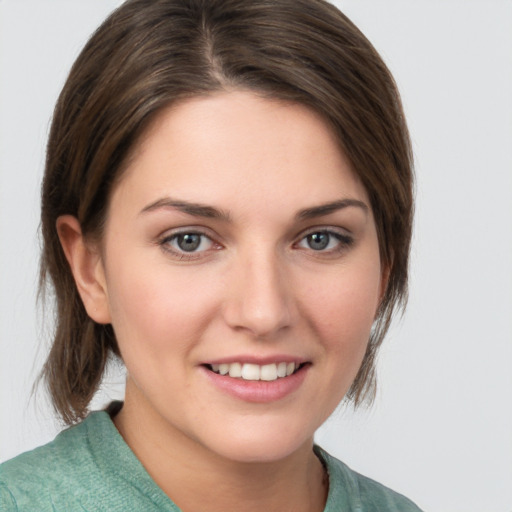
[[441, 429]]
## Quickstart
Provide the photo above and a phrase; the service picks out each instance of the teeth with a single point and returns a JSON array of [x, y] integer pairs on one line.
[[268, 372], [235, 370], [249, 371]]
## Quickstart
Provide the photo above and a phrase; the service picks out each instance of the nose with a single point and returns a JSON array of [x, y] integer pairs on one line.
[[259, 299]]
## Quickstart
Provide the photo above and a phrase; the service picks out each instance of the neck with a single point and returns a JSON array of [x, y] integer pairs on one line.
[[197, 479]]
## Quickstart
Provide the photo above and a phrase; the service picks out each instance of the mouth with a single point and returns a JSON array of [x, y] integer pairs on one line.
[[255, 372]]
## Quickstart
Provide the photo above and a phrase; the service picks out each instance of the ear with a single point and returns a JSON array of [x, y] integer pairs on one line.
[[87, 268]]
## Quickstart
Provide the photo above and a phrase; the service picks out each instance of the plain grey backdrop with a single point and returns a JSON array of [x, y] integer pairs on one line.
[[441, 428]]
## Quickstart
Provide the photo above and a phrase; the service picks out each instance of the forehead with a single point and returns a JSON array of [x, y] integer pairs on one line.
[[238, 145]]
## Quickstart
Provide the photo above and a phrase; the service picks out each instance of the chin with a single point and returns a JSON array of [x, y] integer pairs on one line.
[[262, 444]]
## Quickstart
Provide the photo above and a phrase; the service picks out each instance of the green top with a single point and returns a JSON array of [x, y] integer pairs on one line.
[[89, 468]]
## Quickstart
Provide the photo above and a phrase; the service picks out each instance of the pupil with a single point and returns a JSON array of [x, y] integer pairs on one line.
[[318, 241], [189, 242]]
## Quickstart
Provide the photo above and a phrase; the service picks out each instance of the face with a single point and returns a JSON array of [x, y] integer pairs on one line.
[[241, 274]]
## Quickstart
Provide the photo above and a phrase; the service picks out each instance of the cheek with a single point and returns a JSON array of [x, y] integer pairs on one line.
[[155, 307], [342, 307]]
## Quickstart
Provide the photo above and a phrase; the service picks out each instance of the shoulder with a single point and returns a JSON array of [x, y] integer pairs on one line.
[[87, 467], [376, 496], [57, 457], [348, 488], [56, 465]]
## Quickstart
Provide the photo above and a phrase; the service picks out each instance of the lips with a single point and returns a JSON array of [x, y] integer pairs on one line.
[[253, 372], [257, 381]]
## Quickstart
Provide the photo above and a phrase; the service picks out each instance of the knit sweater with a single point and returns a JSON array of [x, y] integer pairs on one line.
[[89, 467]]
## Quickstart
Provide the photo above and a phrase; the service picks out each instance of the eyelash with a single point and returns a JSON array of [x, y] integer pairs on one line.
[[343, 242], [166, 241]]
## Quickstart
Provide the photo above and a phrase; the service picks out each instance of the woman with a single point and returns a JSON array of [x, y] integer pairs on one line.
[[227, 207]]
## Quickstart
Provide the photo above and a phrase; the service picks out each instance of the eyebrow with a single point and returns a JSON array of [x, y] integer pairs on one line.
[[326, 209], [195, 209], [209, 212]]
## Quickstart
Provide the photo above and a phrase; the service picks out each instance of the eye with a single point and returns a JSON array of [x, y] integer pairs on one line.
[[187, 243], [325, 241], [190, 242]]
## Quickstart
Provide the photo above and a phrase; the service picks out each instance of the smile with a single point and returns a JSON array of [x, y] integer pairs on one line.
[[250, 371]]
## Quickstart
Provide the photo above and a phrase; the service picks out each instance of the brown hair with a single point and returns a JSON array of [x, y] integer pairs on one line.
[[151, 53]]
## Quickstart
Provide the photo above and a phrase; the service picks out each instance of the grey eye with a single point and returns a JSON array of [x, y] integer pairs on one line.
[[188, 242], [187, 245], [325, 241], [318, 241]]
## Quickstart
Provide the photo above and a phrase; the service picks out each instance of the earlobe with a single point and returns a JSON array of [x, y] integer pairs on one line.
[[87, 268]]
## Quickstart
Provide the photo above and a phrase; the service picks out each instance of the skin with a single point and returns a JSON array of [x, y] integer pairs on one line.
[[256, 286]]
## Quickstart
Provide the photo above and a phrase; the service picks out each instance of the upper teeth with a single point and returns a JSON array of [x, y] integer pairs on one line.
[[248, 371]]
